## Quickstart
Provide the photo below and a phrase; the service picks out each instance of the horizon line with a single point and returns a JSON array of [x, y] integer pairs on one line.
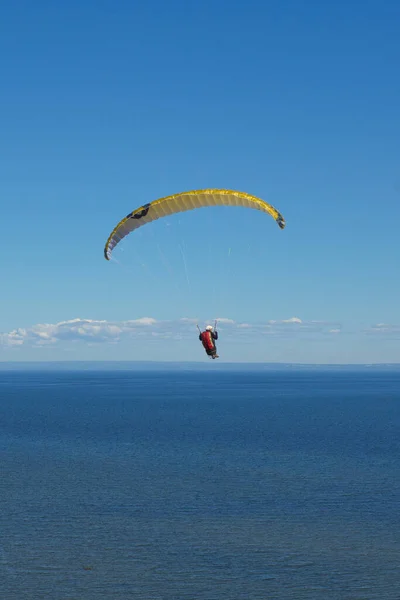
[[196, 363]]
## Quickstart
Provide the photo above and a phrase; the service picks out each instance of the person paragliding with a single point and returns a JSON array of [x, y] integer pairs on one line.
[[208, 338], [181, 202]]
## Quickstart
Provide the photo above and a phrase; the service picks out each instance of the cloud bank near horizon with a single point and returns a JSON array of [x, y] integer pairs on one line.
[[91, 331]]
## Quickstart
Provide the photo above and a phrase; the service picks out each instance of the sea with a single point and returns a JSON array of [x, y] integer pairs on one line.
[[165, 483]]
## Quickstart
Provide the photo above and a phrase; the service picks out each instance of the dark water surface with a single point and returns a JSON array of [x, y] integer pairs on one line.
[[191, 485]]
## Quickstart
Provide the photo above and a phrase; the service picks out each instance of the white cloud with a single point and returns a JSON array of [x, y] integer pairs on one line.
[[284, 321], [143, 321], [380, 328], [92, 331], [74, 330], [292, 320], [13, 338]]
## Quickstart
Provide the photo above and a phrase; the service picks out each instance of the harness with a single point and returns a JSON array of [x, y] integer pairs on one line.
[[207, 340]]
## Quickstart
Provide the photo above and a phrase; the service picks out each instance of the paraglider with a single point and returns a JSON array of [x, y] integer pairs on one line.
[[183, 202]]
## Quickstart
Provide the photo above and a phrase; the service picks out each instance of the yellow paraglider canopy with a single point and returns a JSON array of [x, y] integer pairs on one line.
[[182, 202]]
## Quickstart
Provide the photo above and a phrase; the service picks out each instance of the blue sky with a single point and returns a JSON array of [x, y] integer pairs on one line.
[[105, 106]]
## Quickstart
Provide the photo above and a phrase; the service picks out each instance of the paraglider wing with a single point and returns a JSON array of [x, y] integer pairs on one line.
[[183, 202]]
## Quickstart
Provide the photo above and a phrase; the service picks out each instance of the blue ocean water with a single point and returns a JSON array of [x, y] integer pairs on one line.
[[200, 485]]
